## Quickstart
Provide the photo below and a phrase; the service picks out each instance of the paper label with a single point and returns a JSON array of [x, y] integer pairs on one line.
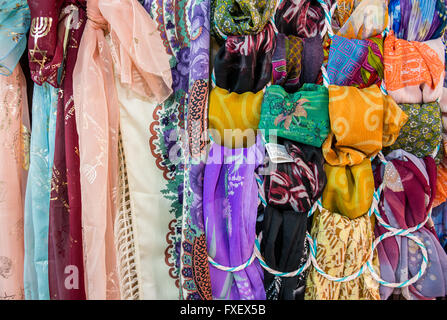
[[278, 153]]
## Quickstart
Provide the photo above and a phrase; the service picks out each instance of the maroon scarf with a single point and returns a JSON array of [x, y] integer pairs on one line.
[[49, 62]]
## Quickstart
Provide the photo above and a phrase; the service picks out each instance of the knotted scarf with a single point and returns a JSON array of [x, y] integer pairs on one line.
[[349, 189], [414, 71], [230, 199], [421, 134], [301, 18], [362, 122], [417, 20], [355, 62], [301, 116], [406, 199], [291, 190], [244, 63], [241, 17], [343, 246], [239, 113], [129, 51]]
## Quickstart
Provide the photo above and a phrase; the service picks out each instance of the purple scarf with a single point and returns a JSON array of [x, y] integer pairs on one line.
[[230, 198]]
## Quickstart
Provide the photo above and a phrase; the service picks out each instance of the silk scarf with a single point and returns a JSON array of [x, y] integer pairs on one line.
[[98, 127], [343, 246], [421, 134], [234, 118], [414, 71], [351, 140], [230, 193], [406, 199], [353, 62], [439, 216], [37, 202], [417, 20], [301, 116], [244, 63], [241, 17], [349, 189]]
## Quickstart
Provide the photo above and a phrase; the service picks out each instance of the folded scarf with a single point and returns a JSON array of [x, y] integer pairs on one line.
[[441, 185], [421, 134], [417, 20], [296, 185], [133, 54], [406, 199], [241, 17], [368, 19], [414, 71], [349, 189], [344, 10], [239, 113], [355, 62], [230, 199], [343, 246], [439, 216], [294, 56], [15, 22], [284, 248], [301, 18], [244, 63], [279, 60], [301, 116], [362, 122]]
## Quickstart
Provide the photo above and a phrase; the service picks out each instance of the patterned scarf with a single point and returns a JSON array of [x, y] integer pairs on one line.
[[301, 116], [417, 20], [355, 62], [421, 134], [244, 63], [301, 18], [420, 81], [362, 122], [241, 17], [15, 20], [296, 185], [406, 199], [230, 194]]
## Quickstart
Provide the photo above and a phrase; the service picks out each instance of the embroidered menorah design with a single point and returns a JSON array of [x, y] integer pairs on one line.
[[40, 27]]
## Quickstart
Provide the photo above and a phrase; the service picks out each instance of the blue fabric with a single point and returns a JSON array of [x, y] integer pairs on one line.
[[439, 217], [37, 198], [14, 21]]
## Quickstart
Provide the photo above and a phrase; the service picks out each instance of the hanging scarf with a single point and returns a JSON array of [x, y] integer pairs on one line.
[[300, 18], [14, 147], [56, 30], [298, 184], [230, 195], [15, 21], [441, 185], [297, 61], [244, 63], [362, 121], [98, 127], [419, 81], [417, 20], [355, 62], [343, 246], [344, 10], [349, 189], [284, 249], [241, 17], [369, 19], [301, 116], [239, 113], [406, 199], [37, 203], [439, 216], [421, 134]]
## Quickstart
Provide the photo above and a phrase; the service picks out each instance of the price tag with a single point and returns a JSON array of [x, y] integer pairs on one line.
[[278, 153]]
